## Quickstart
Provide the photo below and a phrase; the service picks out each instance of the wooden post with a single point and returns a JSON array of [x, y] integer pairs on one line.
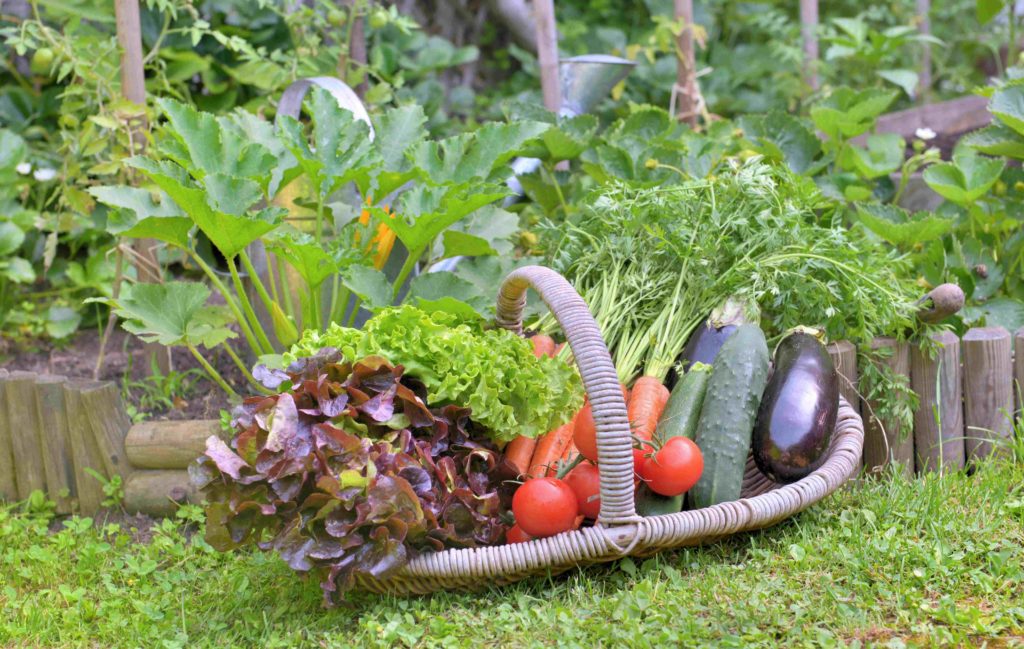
[[924, 25], [109, 423], [844, 357], [686, 71], [988, 390], [8, 485], [156, 493], [54, 441], [547, 53], [169, 444], [83, 446], [20, 410], [1018, 370], [809, 32], [884, 442], [939, 421]]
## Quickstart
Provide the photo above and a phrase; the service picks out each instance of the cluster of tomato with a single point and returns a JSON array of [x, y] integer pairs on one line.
[[546, 506]]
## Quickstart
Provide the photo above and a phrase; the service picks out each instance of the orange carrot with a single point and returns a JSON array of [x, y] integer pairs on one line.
[[568, 454], [542, 345], [519, 452], [550, 447], [646, 405], [585, 433]]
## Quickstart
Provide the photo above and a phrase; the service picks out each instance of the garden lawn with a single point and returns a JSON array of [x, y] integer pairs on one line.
[[935, 560]]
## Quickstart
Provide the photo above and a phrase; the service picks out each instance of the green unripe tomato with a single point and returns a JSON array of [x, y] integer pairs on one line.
[[336, 17], [42, 62], [378, 18]]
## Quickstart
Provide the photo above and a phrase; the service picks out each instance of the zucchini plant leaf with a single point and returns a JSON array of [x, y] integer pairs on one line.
[[370, 284], [470, 157], [135, 214], [462, 243], [173, 313], [341, 150], [964, 180], [570, 137], [229, 233], [433, 292], [424, 212]]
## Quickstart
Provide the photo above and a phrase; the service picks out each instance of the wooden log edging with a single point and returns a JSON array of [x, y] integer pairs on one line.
[[939, 420], [884, 441], [988, 391]]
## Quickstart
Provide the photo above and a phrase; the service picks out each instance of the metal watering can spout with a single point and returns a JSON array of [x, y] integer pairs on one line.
[[588, 79], [585, 81]]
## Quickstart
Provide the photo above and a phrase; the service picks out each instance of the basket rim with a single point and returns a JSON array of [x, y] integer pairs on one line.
[[692, 527]]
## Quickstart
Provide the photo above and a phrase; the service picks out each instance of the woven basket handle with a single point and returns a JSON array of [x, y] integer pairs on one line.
[[614, 444]]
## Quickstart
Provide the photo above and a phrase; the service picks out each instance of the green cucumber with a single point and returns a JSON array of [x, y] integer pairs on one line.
[[679, 419], [728, 415], [649, 503]]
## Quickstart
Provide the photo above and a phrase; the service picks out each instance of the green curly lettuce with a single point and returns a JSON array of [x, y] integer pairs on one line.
[[491, 371]]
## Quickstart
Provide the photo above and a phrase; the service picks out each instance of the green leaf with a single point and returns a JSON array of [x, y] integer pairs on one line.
[[905, 79], [964, 180], [12, 151], [203, 144], [61, 321], [492, 224], [11, 238], [423, 212], [781, 136], [138, 216], [996, 140], [341, 149], [893, 224], [230, 234], [474, 156], [18, 270], [1007, 104], [570, 137], [370, 284], [986, 10], [883, 155], [302, 253], [445, 291], [999, 312], [847, 113], [396, 130], [173, 313], [461, 243]]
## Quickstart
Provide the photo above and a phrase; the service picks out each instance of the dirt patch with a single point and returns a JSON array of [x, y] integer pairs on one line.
[[186, 393]]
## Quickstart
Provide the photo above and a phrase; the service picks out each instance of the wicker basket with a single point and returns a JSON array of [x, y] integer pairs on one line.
[[619, 531]]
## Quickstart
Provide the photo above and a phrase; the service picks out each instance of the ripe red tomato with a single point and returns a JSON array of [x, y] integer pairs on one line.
[[515, 534], [639, 456], [545, 507], [675, 468], [585, 482]]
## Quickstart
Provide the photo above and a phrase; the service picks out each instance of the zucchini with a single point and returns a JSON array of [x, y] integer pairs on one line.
[[679, 419], [649, 503], [728, 415]]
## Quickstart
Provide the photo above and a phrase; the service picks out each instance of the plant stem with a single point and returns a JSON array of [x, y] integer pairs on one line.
[[261, 336], [214, 374], [261, 290], [245, 370], [112, 318], [410, 263], [229, 299]]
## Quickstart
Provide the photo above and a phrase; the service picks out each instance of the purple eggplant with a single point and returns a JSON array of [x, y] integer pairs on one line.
[[704, 343], [798, 409]]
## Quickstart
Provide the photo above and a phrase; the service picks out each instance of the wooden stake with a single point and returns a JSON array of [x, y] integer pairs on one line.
[[939, 421], [54, 441], [88, 489], [20, 409], [169, 444], [8, 484], [1018, 371], [884, 442], [547, 53], [988, 391], [157, 493], [109, 424], [686, 70], [924, 26], [809, 31]]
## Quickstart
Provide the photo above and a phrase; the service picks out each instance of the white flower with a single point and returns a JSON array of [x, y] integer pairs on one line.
[[24, 168], [925, 133], [42, 175]]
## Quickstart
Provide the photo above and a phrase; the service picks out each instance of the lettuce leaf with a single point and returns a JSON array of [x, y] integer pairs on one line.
[[490, 371]]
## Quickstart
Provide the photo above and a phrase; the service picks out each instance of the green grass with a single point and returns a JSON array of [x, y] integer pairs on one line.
[[938, 560]]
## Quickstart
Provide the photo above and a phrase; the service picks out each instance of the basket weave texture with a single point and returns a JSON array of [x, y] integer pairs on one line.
[[619, 530]]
